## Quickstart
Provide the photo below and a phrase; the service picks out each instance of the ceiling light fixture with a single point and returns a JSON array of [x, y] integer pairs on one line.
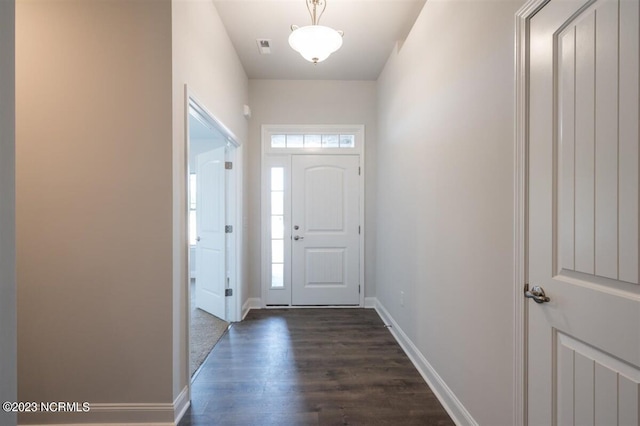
[[315, 42]]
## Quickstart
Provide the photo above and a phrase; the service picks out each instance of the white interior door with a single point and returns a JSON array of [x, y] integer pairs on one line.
[[325, 256], [584, 344], [210, 219]]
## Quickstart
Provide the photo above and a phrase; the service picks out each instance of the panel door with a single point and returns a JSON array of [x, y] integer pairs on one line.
[[584, 344], [325, 257], [210, 218]]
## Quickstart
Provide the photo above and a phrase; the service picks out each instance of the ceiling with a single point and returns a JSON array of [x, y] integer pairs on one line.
[[371, 29]]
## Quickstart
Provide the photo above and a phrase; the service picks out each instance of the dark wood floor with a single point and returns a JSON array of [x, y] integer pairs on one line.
[[311, 367]]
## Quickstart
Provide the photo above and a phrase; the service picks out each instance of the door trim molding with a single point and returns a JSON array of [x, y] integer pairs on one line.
[[521, 67]]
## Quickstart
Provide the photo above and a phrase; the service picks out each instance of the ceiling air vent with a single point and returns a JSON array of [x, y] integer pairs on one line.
[[264, 46]]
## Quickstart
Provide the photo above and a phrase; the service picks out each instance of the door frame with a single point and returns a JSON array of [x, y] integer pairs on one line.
[[233, 211], [266, 152], [521, 173]]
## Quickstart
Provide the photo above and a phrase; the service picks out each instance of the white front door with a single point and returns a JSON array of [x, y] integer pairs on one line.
[[325, 256], [210, 218], [584, 343]]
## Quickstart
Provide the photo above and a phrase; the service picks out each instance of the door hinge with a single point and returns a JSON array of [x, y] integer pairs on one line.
[[358, 288], [228, 229], [228, 165], [228, 292], [358, 229], [359, 171]]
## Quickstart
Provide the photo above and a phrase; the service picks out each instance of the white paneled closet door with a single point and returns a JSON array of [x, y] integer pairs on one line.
[[584, 343], [211, 245]]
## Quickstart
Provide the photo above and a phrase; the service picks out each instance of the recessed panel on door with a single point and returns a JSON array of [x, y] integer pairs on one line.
[[324, 199], [325, 267], [594, 387]]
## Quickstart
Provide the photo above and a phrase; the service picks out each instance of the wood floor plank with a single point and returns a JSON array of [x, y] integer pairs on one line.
[[311, 367]]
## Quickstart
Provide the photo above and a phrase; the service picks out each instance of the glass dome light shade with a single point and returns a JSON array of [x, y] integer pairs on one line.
[[315, 42]]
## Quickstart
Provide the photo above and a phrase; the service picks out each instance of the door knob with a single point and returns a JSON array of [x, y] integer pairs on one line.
[[197, 238], [536, 293], [297, 237]]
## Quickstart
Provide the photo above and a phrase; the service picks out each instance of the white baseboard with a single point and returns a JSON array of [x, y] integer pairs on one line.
[[151, 414], [135, 414], [99, 424], [101, 414], [181, 404], [256, 303], [251, 303], [445, 395]]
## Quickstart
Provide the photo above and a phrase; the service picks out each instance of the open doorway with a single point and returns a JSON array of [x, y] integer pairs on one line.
[[211, 241]]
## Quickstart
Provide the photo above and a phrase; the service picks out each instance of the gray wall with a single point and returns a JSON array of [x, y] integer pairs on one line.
[[445, 197], [102, 224], [94, 208], [8, 360], [311, 102]]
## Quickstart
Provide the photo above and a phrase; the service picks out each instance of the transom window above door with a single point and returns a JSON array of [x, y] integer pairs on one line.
[[335, 139], [313, 141]]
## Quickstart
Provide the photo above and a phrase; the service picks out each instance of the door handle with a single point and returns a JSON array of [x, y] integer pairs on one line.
[[197, 238], [297, 237], [536, 293]]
